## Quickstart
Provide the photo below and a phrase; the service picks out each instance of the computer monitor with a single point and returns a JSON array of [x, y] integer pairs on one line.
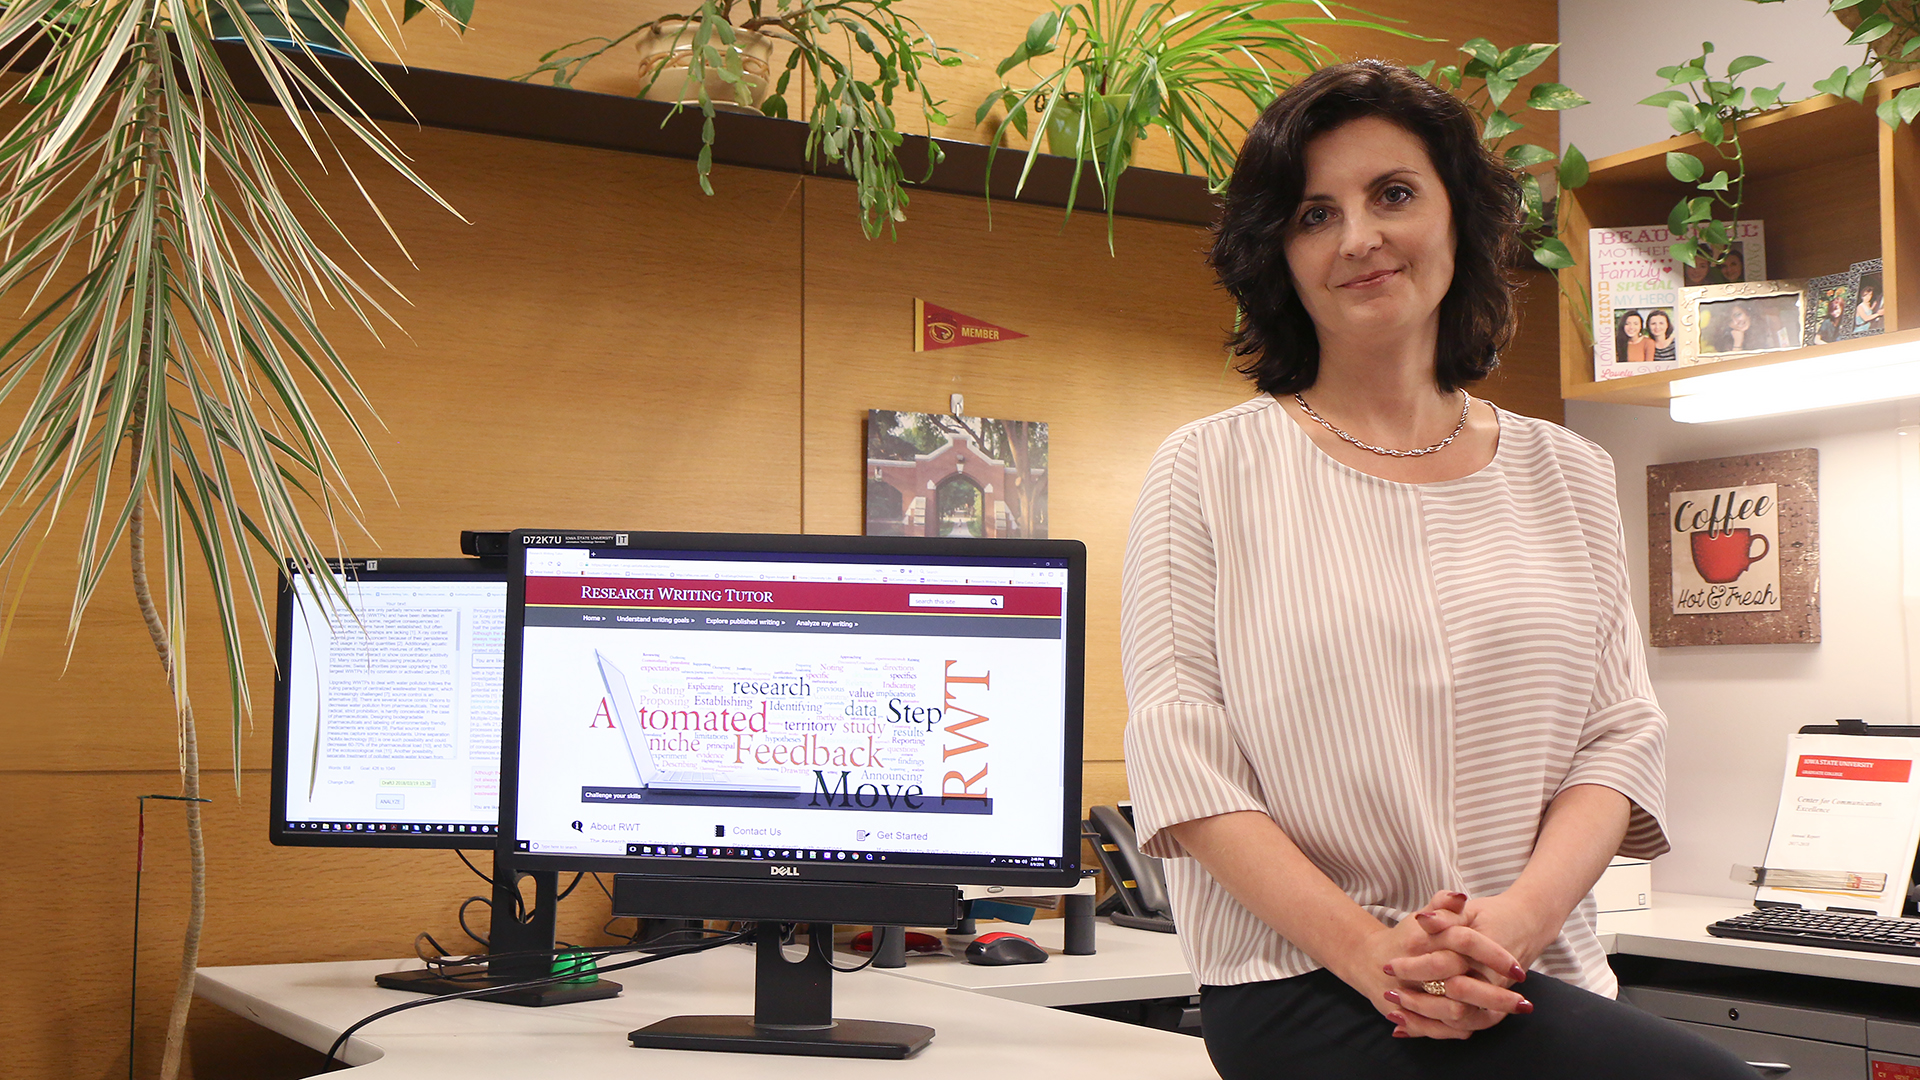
[[386, 710], [819, 729], [386, 732]]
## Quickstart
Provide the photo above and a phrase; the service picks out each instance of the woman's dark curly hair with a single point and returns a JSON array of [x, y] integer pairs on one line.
[[1249, 251]]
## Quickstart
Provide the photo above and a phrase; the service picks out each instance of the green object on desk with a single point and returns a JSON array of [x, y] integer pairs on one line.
[[994, 909], [578, 963]]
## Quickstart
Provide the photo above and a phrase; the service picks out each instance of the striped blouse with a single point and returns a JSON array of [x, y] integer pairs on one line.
[[1402, 675]]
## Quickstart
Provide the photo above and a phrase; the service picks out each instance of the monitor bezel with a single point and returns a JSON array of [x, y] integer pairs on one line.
[[279, 830], [1072, 551]]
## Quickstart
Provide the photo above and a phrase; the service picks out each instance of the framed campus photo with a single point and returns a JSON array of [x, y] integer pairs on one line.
[[1719, 322]]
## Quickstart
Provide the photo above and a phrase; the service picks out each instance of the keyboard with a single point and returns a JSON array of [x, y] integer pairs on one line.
[[1823, 930]]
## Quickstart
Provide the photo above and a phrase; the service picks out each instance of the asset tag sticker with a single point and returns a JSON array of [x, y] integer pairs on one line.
[[1887, 1070]]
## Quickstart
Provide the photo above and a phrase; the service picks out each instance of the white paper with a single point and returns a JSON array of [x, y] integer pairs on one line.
[[1848, 804]]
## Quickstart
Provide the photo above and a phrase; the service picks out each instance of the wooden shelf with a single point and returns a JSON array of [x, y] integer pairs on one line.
[[610, 122], [1833, 185]]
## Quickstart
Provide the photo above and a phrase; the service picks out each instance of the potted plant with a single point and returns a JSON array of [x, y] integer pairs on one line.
[[852, 57], [1126, 68], [165, 378]]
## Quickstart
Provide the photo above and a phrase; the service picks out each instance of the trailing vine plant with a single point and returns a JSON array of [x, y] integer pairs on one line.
[[1486, 82], [852, 56], [1697, 103]]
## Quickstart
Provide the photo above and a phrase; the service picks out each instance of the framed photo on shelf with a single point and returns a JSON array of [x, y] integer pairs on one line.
[[1733, 550], [1829, 308], [1719, 322], [1867, 306]]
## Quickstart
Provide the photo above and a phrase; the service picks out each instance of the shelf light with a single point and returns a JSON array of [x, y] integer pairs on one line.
[[1876, 372]]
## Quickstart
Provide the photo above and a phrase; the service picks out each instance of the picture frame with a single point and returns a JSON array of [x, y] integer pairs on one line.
[[1733, 550], [1829, 308], [1867, 303], [1720, 322]]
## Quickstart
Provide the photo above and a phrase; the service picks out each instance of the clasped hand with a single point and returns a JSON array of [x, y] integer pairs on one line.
[[1449, 942]]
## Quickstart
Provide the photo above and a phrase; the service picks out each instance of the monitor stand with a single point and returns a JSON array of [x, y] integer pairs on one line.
[[792, 1012], [509, 934]]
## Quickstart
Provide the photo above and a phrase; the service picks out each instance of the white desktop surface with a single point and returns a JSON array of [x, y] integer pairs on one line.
[[975, 1034], [1127, 965], [1675, 928]]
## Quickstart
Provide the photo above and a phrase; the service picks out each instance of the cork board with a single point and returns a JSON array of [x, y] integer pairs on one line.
[[1733, 550]]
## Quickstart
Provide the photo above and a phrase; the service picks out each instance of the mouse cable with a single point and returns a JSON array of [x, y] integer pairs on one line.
[[678, 950], [571, 885]]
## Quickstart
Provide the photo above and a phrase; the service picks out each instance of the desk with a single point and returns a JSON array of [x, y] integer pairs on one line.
[[1129, 965], [1675, 928], [979, 1034]]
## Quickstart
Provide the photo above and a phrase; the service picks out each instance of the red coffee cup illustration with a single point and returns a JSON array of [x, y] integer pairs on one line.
[[1722, 556]]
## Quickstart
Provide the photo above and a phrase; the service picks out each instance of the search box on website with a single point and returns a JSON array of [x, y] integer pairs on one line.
[[956, 600]]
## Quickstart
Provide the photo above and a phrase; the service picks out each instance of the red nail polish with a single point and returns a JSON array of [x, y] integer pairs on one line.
[[1424, 917], [1458, 896], [1393, 996], [1524, 1007], [1388, 969], [1518, 974], [1397, 1018], [1400, 1033]]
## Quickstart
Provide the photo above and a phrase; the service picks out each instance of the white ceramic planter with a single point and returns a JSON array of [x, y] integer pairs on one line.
[[667, 48]]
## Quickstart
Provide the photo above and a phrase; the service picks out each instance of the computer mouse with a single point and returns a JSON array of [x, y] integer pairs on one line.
[[1003, 948], [916, 942]]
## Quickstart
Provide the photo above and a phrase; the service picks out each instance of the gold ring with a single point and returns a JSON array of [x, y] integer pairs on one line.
[[1436, 987]]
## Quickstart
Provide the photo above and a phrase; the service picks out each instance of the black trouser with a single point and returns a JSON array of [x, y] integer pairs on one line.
[[1314, 1025]]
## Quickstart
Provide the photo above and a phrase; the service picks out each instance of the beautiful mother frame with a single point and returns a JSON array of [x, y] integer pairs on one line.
[[1733, 550]]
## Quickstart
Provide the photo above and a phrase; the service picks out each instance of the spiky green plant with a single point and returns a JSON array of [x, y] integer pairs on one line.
[[1128, 67], [171, 363]]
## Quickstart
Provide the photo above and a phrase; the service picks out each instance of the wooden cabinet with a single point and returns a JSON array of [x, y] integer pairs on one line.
[[1833, 185]]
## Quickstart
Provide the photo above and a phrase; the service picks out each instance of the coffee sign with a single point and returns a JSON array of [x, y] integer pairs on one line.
[[1725, 549], [1733, 550]]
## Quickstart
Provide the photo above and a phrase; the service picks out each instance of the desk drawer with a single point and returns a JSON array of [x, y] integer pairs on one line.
[[1805, 1059], [1729, 1012]]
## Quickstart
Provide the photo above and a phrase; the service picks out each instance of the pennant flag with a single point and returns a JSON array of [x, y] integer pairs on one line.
[[940, 328]]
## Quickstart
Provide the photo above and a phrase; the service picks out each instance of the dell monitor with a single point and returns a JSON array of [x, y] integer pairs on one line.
[[816, 729], [386, 731]]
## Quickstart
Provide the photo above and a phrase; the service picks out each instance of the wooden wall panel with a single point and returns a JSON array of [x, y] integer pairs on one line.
[[1121, 350], [600, 347]]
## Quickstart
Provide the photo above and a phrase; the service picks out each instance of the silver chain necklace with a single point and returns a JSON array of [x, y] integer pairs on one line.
[[1466, 403]]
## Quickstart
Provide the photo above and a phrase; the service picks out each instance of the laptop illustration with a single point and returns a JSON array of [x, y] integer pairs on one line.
[[651, 776]]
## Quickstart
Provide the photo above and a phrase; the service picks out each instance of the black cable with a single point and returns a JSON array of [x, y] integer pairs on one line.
[[470, 866], [678, 950], [571, 885], [824, 950], [464, 904]]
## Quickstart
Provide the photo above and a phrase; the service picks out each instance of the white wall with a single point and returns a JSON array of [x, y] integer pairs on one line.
[[1612, 47], [1732, 707]]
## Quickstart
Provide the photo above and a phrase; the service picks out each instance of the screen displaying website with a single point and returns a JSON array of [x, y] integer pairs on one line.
[[698, 705], [393, 708]]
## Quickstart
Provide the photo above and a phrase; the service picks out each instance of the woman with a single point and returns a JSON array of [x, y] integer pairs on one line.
[[1829, 330], [1635, 346], [1389, 715], [1869, 312], [1733, 266], [1660, 332], [1731, 329]]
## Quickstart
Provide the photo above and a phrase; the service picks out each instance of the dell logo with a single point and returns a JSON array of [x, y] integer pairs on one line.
[[785, 871]]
